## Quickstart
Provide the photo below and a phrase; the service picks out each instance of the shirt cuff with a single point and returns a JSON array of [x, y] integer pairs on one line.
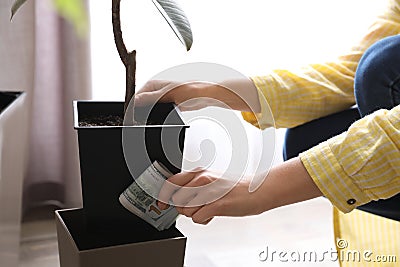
[[331, 179], [264, 119]]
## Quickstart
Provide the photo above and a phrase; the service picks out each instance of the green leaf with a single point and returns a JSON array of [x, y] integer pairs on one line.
[[74, 11], [177, 20], [17, 4]]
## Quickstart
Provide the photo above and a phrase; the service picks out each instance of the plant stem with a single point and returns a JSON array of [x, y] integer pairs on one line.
[[128, 58]]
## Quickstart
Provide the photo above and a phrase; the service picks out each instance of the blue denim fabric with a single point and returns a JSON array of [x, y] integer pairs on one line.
[[377, 86], [377, 79]]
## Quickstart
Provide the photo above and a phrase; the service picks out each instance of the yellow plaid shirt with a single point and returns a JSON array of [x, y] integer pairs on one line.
[[362, 164]]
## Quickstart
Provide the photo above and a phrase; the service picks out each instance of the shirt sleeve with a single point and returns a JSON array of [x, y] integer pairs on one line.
[[295, 97], [360, 165]]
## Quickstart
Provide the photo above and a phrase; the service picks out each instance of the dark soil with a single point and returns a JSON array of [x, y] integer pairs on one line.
[[107, 120]]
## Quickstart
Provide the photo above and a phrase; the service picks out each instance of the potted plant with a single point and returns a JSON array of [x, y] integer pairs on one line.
[[12, 166], [104, 167], [104, 172]]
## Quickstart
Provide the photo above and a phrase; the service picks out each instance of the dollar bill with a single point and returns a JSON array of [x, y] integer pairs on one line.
[[139, 199]]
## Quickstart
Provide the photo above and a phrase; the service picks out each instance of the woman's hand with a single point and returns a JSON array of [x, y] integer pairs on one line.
[[235, 94], [202, 196], [188, 96]]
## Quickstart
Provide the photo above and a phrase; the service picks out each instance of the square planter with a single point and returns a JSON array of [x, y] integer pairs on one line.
[[103, 232], [123, 247], [111, 156], [12, 166]]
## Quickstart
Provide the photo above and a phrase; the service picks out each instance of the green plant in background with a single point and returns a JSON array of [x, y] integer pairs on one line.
[[74, 11]]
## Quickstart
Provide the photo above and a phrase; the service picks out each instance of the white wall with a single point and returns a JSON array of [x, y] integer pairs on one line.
[[251, 36]]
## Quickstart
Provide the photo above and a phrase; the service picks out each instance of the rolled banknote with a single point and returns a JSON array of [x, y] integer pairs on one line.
[[139, 199]]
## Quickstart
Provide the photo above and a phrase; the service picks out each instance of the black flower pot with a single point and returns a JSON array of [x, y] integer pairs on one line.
[[112, 156], [7, 98]]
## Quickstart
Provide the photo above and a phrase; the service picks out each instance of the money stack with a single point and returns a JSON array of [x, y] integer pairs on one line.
[[139, 199]]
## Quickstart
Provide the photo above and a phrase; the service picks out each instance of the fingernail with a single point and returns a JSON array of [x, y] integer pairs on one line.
[[137, 100], [162, 205]]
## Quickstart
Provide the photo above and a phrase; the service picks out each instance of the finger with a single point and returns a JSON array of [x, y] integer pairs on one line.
[[201, 191], [205, 213], [171, 185], [182, 178], [155, 91], [196, 203], [148, 98], [162, 205], [153, 85], [186, 196], [206, 222], [188, 212]]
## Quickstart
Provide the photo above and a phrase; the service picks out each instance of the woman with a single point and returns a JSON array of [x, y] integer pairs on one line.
[[360, 158]]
